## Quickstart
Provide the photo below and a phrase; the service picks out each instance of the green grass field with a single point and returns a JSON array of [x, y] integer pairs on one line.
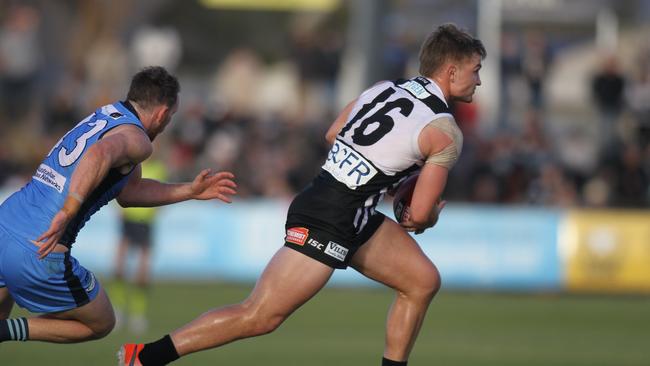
[[344, 327]]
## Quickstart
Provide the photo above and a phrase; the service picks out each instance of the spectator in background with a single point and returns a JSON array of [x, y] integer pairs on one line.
[[632, 181], [639, 100], [597, 190], [552, 188], [106, 68], [317, 56], [396, 56], [536, 58], [156, 46], [7, 168], [61, 108], [608, 87], [236, 81], [188, 139], [130, 302], [510, 65], [19, 60]]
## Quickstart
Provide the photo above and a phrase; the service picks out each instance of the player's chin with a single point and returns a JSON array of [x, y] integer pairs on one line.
[[467, 98]]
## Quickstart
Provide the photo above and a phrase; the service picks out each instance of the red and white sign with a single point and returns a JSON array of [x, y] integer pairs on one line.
[[297, 235]]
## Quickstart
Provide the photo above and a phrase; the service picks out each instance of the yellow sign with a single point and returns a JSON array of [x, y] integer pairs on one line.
[[606, 251], [282, 5], [153, 169]]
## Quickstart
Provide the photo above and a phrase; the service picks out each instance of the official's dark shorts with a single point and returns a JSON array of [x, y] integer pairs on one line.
[[138, 234], [325, 247]]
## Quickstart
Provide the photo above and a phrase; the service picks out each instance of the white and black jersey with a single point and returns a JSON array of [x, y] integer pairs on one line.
[[376, 148]]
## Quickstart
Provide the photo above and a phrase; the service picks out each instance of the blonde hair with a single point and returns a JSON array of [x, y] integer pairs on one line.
[[447, 42]]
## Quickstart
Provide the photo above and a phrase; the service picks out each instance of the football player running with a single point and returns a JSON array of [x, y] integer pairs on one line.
[[391, 130]]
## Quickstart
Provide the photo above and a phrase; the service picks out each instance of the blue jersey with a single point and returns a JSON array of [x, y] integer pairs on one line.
[[29, 212]]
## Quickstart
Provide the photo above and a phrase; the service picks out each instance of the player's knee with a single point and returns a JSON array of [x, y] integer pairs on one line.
[[433, 281], [427, 284], [268, 324], [259, 321]]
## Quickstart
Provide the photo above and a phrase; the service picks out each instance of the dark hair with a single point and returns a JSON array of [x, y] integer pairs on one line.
[[448, 42], [152, 86]]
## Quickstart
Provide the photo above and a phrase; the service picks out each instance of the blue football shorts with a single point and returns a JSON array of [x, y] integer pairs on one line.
[[52, 284]]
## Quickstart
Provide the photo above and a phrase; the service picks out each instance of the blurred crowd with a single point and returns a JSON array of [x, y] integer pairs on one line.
[[604, 161], [265, 121]]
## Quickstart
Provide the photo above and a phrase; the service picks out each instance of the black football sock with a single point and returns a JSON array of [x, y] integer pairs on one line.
[[160, 352], [14, 330], [387, 362]]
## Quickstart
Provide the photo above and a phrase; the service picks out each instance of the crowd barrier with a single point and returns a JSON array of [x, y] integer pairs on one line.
[[511, 248]]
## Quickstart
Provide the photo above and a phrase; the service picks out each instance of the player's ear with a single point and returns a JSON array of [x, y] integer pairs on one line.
[[452, 71], [160, 112]]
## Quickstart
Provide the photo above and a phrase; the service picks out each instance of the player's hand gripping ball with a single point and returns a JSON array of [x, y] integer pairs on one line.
[[402, 198], [402, 202]]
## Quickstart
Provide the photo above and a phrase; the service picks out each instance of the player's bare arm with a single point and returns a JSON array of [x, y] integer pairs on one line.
[[338, 123], [441, 151], [121, 149], [426, 204], [142, 192]]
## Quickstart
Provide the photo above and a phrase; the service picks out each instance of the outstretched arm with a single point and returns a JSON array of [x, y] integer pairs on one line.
[[122, 146], [143, 192]]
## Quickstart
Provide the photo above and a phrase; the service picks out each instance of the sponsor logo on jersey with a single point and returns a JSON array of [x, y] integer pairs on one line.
[[316, 244], [297, 235], [348, 166], [416, 89], [48, 176], [336, 251], [111, 111]]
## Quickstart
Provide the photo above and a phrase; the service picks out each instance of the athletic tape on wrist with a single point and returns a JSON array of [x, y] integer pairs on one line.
[[76, 196]]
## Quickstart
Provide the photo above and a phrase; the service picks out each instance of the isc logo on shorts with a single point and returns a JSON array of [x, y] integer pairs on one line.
[[315, 243], [348, 166], [297, 235], [336, 251]]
